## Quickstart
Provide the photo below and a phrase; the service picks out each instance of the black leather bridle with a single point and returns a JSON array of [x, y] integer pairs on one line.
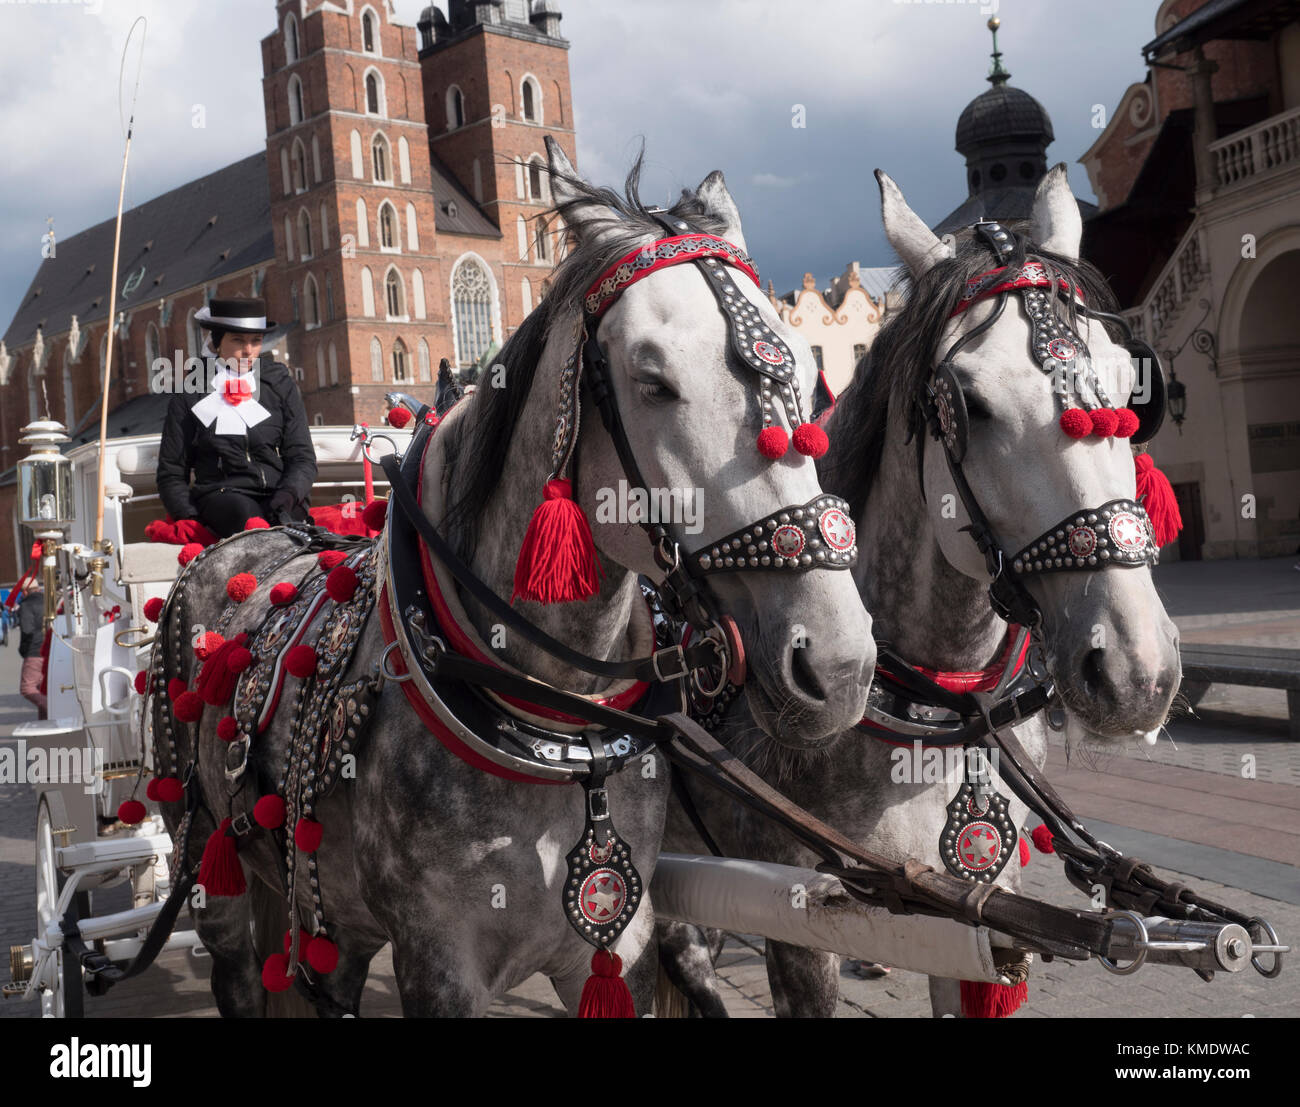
[[1115, 534]]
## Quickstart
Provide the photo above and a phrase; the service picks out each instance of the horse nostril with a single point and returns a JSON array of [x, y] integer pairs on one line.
[[1093, 676], [804, 675]]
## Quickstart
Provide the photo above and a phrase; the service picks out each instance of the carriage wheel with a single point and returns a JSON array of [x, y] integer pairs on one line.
[[64, 997]]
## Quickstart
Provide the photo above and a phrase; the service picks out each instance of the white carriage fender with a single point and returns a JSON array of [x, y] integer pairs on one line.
[[810, 909]]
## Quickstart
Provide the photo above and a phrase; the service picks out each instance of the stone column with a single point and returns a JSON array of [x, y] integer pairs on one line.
[[1203, 98]]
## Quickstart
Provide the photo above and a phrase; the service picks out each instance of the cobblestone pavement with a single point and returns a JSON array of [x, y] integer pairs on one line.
[[1174, 794]]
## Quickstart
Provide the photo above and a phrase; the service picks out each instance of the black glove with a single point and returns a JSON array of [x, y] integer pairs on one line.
[[283, 506]]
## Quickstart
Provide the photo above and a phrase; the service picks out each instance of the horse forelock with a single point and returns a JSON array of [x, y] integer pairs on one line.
[[879, 398]]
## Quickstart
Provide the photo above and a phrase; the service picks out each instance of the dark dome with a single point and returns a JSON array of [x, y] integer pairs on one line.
[[999, 114]]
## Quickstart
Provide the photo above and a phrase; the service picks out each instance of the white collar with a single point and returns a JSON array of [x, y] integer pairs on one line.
[[229, 418]]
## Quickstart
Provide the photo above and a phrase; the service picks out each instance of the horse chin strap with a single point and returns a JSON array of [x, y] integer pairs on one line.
[[1115, 534]]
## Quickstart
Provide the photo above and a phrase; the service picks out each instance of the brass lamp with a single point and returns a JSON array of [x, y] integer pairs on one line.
[[45, 496]]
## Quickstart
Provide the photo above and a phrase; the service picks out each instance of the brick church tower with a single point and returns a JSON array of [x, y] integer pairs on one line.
[[496, 79], [404, 234]]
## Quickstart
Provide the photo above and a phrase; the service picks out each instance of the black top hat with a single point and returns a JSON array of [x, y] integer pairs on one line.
[[239, 316]]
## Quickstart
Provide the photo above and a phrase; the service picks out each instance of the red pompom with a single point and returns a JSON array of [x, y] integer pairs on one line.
[[151, 789], [141, 681], [275, 973], [1126, 422], [1075, 422], [153, 608], [1024, 852], [132, 812], [398, 417], [238, 659], [208, 645], [374, 514], [557, 561], [189, 552], [188, 707], [327, 559], [300, 661], [241, 586], [341, 583], [227, 728], [303, 939], [1042, 839], [256, 522], [283, 593], [307, 835], [168, 789], [773, 442], [1104, 421], [269, 812], [175, 688], [810, 440], [322, 955]]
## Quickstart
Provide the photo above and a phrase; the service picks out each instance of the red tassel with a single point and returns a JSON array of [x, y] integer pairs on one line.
[[557, 561], [220, 872], [216, 680], [1156, 494], [605, 995], [980, 1000], [1024, 852]]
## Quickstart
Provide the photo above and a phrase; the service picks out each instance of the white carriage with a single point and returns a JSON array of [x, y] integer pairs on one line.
[[93, 751]]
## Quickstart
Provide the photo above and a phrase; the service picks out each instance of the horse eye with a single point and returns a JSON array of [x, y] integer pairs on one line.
[[656, 391], [975, 408]]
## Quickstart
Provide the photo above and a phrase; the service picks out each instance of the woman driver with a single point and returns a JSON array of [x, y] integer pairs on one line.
[[245, 440]]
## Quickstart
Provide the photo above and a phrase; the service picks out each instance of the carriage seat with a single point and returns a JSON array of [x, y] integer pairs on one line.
[[148, 563]]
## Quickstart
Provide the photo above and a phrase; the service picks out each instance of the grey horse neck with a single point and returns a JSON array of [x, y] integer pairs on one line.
[[600, 626], [930, 613]]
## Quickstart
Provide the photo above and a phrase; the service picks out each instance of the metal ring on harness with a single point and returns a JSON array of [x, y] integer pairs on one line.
[[396, 678], [370, 437], [724, 659], [1142, 940], [1275, 948]]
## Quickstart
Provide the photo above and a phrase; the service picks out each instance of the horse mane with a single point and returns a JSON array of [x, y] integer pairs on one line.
[[478, 453], [902, 355]]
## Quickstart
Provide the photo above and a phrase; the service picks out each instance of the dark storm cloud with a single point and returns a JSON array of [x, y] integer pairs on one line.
[[708, 84]]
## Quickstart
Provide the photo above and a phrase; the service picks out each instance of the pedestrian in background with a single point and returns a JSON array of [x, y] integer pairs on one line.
[[31, 624]]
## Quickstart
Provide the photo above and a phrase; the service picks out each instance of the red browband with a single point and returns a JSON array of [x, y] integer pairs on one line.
[[1030, 275], [663, 252]]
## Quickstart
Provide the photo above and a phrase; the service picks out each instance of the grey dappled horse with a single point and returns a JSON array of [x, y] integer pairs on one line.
[[462, 870], [1110, 647]]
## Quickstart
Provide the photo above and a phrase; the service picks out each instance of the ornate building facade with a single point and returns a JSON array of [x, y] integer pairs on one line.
[[395, 217]]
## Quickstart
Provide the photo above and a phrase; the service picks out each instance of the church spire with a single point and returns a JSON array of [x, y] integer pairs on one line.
[[997, 74]]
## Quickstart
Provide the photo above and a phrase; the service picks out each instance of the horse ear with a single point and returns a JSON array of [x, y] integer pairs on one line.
[[911, 239], [585, 217], [716, 198], [1054, 223]]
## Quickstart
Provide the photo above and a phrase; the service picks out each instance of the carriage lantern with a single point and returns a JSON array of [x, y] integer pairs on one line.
[[1176, 393], [45, 480]]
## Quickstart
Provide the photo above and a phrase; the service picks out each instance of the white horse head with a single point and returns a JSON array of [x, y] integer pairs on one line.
[[692, 414], [1112, 649]]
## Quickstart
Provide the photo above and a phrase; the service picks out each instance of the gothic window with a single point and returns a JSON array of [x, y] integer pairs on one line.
[[363, 225], [367, 292], [320, 367], [426, 371], [293, 298], [358, 171], [334, 364], [471, 297], [412, 230], [329, 298], [394, 295], [379, 158], [368, 32], [526, 295], [290, 38], [315, 158], [387, 227], [404, 159], [296, 112], [543, 241], [298, 160], [455, 108], [374, 94], [305, 250], [401, 371], [417, 293], [531, 95], [324, 229], [535, 179], [376, 360], [313, 301]]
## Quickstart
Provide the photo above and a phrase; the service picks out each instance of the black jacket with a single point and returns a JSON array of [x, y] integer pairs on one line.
[[275, 455], [31, 624]]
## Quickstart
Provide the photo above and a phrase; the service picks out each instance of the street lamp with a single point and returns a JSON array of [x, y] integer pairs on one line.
[[1176, 394], [45, 496]]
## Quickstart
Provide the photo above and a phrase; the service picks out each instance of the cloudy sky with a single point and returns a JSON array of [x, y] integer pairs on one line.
[[707, 84]]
